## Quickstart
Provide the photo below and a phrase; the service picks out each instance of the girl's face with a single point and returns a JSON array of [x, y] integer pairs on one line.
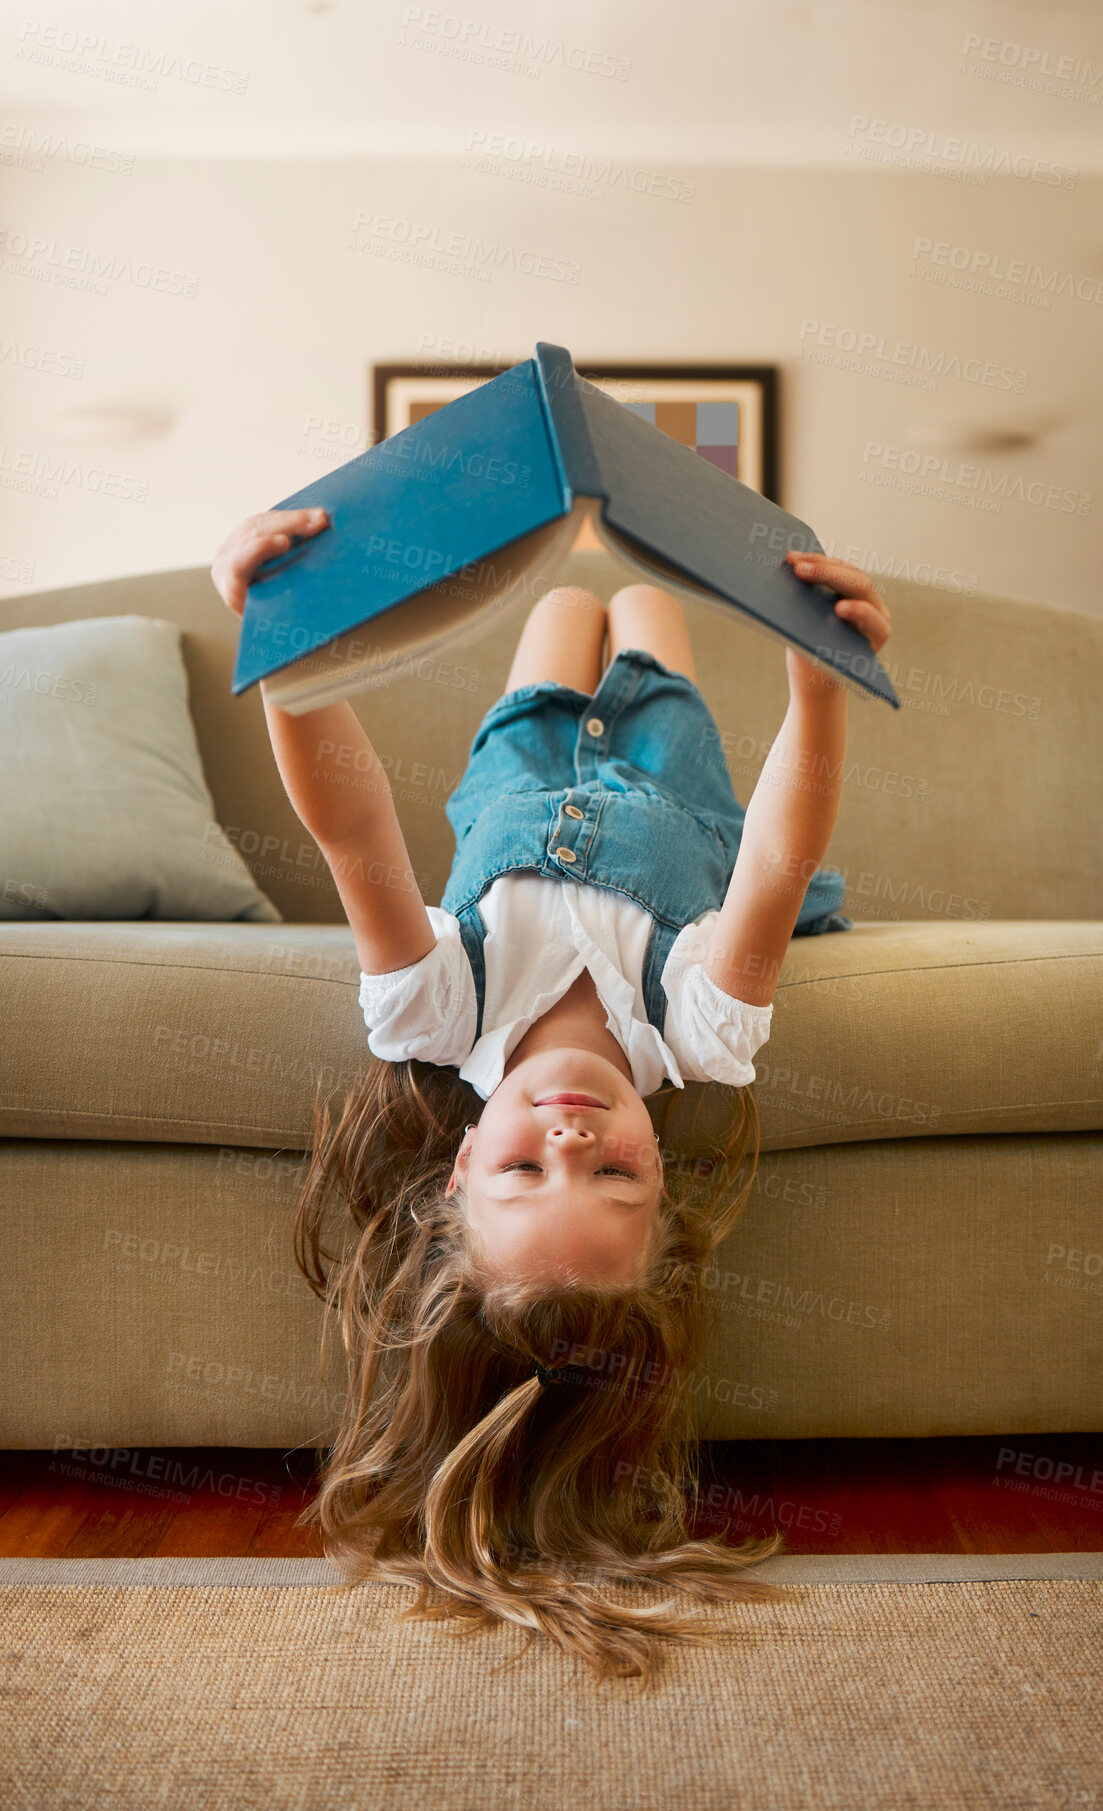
[[553, 1185]]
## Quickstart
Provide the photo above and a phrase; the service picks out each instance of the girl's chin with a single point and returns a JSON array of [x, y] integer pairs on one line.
[[564, 1061]]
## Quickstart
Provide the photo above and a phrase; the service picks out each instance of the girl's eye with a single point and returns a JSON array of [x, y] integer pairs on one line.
[[607, 1169]]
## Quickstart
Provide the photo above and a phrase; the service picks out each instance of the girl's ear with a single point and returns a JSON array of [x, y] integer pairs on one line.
[[461, 1158]]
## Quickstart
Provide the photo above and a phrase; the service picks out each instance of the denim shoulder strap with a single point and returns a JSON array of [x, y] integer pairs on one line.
[[659, 945], [473, 933]]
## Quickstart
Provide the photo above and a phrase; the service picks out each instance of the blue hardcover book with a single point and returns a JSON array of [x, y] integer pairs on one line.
[[470, 511]]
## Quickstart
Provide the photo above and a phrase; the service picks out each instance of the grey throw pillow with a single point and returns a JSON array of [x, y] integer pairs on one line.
[[104, 808]]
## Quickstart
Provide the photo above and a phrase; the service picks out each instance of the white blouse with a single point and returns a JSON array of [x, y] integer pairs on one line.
[[540, 934]]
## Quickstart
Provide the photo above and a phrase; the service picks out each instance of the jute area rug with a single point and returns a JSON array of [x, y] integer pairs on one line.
[[912, 1681]]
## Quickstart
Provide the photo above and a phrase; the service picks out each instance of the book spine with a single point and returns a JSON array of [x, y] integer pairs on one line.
[[557, 382]]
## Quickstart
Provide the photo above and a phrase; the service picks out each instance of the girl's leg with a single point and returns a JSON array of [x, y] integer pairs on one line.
[[561, 640], [646, 616]]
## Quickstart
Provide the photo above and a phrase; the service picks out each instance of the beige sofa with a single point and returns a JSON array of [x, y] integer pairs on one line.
[[922, 1251]]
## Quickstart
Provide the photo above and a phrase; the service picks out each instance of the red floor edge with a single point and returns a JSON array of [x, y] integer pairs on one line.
[[1007, 1493]]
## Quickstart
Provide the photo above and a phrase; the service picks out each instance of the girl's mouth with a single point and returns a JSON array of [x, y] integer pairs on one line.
[[570, 1100]]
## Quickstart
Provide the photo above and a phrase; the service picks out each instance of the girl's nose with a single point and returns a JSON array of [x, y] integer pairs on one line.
[[565, 1133]]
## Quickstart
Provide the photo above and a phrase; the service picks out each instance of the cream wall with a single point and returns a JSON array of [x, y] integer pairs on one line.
[[287, 317]]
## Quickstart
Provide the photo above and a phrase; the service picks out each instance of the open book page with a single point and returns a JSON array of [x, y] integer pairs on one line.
[[453, 611]]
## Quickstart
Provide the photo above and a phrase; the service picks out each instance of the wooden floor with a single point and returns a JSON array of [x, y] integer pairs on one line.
[[1018, 1493]]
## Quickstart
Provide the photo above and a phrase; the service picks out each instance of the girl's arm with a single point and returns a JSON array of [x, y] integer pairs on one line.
[[793, 808], [340, 792], [335, 780]]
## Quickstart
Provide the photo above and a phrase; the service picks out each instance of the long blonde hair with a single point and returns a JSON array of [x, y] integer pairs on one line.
[[454, 1468]]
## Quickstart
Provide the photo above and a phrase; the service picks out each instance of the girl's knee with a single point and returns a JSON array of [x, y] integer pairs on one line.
[[574, 597], [651, 597], [646, 616]]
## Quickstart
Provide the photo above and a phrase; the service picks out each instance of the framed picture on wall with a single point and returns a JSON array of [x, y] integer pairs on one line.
[[726, 413]]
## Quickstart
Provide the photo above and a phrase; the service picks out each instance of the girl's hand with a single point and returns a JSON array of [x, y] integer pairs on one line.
[[255, 540], [858, 602]]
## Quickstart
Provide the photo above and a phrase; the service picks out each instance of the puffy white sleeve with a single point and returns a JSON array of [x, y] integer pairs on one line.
[[713, 1035], [428, 1010]]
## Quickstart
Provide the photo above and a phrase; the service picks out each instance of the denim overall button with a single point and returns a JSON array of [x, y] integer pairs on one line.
[[567, 855], [572, 811], [595, 726]]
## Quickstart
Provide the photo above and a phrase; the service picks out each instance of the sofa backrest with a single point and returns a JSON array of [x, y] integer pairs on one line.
[[978, 799]]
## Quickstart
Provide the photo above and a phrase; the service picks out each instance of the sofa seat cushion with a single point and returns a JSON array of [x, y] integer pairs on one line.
[[227, 1033], [178, 1033], [935, 1027]]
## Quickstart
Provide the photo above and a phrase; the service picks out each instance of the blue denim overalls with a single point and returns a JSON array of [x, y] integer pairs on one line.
[[627, 789]]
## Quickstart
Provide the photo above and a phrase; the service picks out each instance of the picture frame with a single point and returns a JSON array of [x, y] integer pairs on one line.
[[727, 413]]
